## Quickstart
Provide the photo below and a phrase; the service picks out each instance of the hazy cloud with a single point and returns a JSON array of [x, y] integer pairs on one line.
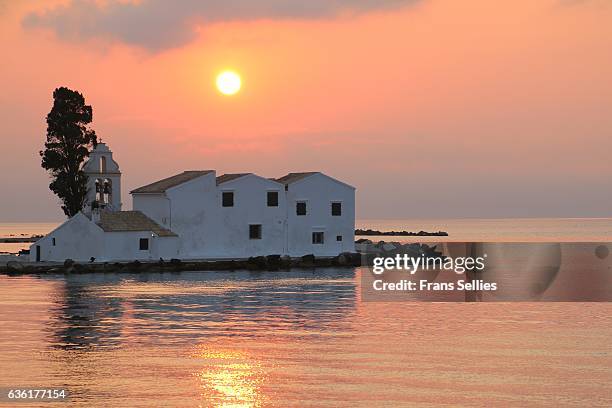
[[597, 3], [159, 24]]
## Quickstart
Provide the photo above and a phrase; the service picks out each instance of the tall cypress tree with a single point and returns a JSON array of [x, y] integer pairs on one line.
[[69, 139]]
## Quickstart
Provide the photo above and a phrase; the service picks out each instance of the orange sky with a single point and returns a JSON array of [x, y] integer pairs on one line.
[[432, 108]]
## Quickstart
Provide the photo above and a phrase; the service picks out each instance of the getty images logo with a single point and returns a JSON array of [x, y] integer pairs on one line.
[[413, 263]]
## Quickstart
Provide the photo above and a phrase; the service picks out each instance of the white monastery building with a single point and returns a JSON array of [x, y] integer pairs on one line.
[[199, 215]]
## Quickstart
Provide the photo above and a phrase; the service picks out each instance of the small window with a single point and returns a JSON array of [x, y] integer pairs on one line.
[[300, 208], [272, 198], [53, 241], [255, 231], [338, 238], [227, 199], [318, 237], [144, 244], [336, 209]]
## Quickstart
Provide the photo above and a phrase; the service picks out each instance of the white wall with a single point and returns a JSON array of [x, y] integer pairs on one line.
[[78, 238], [193, 210], [154, 206], [206, 229], [319, 191], [125, 246], [250, 207], [193, 216]]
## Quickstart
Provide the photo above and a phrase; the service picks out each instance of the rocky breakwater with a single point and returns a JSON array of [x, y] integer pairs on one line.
[[369, 250], [366, 251], [261, 263], [370, 232]]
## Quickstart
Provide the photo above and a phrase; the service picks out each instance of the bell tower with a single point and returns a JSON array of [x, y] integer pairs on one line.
[[103, 180]]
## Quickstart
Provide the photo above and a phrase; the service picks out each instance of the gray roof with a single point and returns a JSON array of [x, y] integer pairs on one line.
[[229, 177], [162, 185], [293, 177], [131, 221]]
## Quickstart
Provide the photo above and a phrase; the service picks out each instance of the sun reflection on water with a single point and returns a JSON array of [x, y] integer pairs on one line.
[[230, 378]]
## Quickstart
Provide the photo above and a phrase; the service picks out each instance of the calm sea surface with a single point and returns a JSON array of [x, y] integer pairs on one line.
[[499, 229], [22, 229], [459, 230], [299, 339]]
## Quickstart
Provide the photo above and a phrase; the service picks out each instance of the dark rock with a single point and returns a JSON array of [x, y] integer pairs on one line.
[[68, 263], [273, 262], [15, 267], [363, 241], [286, 261], [175, 261], [399, 233], [390, 246], [308, 259], [344, 259], [257, 262], [349, 259], [78, 268], [134, 266]]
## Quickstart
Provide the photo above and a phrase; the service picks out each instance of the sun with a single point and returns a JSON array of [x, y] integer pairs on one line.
[[228, 82]]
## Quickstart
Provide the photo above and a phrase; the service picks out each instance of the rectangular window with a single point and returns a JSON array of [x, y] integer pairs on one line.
[[300, 208], [255, 231], [144, 244], [227, 199], [53, 241], [338, 237], [318, 237], [336, 209], [272, 198]]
